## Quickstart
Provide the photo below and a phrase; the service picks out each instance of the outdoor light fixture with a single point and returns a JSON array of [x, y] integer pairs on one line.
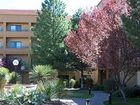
[[15, 63]]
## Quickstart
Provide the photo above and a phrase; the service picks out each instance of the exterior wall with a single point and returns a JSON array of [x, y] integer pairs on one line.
[[24, 18], [95, 75], [70, 74], [16, 17]]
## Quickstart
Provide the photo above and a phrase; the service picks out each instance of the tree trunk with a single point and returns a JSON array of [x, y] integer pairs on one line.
[[123, 94], [82, 79]]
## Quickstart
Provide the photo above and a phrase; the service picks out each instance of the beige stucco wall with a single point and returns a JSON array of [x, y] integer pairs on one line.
[[17, 18], [26, 21], [93, 74]]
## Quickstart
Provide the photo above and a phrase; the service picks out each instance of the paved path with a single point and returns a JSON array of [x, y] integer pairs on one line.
[[98, 99]]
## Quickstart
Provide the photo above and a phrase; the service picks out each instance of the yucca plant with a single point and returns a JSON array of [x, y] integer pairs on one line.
[[52, 89], [5, 77], [42, 73]]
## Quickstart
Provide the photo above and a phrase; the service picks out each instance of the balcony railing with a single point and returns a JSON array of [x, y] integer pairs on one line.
[[22, 47], [22, 30]]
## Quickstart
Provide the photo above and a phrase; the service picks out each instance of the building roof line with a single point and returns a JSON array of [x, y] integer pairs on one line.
[[18, 12]]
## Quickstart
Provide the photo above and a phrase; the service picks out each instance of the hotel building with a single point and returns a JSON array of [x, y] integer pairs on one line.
[[15, 34]]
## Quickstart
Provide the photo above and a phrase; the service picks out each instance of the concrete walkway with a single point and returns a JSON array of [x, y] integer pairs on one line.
[[98, 99]]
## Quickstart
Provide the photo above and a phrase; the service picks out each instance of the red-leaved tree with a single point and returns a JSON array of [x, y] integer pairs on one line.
[[101, 42]]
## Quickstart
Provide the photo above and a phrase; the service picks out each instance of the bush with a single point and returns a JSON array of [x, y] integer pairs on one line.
[[136, 92], [65, 83], [88, 83], [130, 92], [109, 85], [52, 89], [42, 73], [72, 82], [98, 87], [5, 77], [77, 84]]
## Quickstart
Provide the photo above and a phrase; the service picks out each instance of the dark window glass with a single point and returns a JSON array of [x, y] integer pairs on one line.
[[15, 44], [14, 28]]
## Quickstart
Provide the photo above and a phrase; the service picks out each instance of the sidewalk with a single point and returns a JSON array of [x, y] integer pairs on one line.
[[98, 99]]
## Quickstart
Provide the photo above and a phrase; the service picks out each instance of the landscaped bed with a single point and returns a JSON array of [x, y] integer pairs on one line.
[[77, 94], [119, 101]]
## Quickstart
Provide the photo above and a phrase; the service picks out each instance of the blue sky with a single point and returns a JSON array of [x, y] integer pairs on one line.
[[71, 5]]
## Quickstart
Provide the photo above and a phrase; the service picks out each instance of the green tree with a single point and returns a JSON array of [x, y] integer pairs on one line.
[[76, 18], [50, 29], [132, 22]]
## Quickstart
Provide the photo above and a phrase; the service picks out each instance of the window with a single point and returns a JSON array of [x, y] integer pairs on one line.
[[14, 28], [18, 44], [1, 46], [15, 44], [1, 29]]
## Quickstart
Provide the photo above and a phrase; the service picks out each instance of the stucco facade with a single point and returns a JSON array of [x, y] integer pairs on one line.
[[15, 34]]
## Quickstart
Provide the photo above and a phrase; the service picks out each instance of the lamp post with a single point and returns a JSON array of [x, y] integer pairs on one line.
[[22, 69], [15, 63]]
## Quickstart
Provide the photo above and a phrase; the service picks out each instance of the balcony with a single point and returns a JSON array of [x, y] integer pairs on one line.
[[16, 34], [17, 51], [23, 50], [20, 30]]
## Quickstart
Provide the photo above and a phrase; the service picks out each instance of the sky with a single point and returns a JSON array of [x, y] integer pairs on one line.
[[71, 5]]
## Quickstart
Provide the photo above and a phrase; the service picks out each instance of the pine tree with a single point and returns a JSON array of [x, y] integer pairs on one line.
[[76, 18], [49, 32], [132, 22]]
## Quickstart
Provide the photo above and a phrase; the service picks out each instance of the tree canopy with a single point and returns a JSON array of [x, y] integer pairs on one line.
[[76, 18], [101, 42], [51, 27], [132, 22]]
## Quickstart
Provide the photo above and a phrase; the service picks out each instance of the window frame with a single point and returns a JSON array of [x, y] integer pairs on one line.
[[15, 44]]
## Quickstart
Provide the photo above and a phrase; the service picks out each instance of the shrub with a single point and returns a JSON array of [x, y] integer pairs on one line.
[[15, 96], [98, 87], [65, 83], [72, 82], [109, 85], [77, 84], [42, 73], [130, 92], [89, 83], [5, 77], [52, 89], [20, 96]]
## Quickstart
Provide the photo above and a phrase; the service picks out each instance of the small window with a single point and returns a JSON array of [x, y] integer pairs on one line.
[[14, 28], [1, 29], [1, 46], [18, 44], [15, 44]]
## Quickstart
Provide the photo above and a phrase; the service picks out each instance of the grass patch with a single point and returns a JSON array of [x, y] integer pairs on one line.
[[119, 101], [77, 94]]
